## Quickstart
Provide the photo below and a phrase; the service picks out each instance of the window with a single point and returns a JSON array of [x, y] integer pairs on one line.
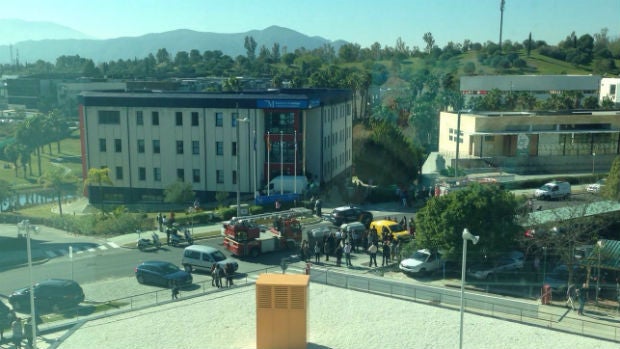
[[178, 118], [156, 146], [196, 176], [179, 147], [155, 118], [234, 148], [181, 174], [196, 147], [219, 176], [219, 148], [157, 174], [119, 172], [194, 118], [141, 146], [139, 118], [234, 177], [219, 119], [235, 116], [109, 117], [118, 145], [142, 173], [103, 146]]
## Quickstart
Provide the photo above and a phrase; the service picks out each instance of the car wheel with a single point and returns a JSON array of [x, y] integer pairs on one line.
[[188, 268], [140, 279]]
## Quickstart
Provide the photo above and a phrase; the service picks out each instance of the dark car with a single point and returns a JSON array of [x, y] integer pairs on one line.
[[346, 214], [53, 295], [6, 316], [162, 273]]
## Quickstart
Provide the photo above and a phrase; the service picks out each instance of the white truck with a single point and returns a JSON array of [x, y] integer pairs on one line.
[[553, 190], [287, 184]]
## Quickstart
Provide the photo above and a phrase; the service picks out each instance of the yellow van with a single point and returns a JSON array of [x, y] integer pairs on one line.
[[384, 226]]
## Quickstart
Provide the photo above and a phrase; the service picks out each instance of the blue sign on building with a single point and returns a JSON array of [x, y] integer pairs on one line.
[[282, 103]]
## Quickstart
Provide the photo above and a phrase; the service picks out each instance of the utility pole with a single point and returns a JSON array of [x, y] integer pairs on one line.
[[501, 23]]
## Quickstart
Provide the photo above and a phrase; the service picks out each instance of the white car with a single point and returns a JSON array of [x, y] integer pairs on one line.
[[421, 262], [596, 187]]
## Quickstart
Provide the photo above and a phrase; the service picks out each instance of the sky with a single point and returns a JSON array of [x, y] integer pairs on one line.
[[358, 21]]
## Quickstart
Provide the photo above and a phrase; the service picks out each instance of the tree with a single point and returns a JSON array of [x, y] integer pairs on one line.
[[486, 210], [12, 151], [179, 193], [611, 190], [56, 178], [99, 176], [430, 41], [250, 47]]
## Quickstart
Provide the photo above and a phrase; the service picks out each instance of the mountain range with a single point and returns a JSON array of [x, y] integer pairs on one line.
[[32, 41]]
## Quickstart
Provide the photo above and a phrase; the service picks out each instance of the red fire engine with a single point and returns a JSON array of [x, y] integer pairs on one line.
[[243, 237]]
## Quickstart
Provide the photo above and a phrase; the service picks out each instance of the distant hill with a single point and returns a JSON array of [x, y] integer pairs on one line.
[[13, 31], [173, 41]]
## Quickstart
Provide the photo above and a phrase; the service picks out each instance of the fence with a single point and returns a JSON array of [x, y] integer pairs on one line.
[[525, 312]]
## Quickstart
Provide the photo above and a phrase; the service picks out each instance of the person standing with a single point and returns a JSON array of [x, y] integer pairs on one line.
[[582, 297], [278, 205], [317, 253], [372, 250], [317, 207], [160, 222], [347, 253], [229, 272], [385, 260], [326, 249], [339, 251], [18, 332], [28, 332]]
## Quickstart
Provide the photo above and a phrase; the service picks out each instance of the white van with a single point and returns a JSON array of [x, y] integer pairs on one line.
[[288, 184], [203, 257], [553, 190]]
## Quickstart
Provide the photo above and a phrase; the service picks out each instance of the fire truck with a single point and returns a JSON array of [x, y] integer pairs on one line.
[[243, 236]]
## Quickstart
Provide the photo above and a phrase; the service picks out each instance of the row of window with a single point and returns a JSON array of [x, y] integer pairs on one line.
[[113, 117], [334, 137], [219, 175], [180, 147]]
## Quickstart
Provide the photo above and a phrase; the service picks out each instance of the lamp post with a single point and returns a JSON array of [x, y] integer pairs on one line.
[[598, 273], [466, 236], [238, 177], [545, 263], [32, 307], [593, 157]]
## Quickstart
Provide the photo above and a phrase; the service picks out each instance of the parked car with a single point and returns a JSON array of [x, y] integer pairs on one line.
[[596, 187], [52, 295], [162, 273], [390, 227], [6, 316], [509, 262], [346, 214], [421, 262], [203, 257]]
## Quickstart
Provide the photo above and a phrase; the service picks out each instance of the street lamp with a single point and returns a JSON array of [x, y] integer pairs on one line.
[[32, 307], [466, 236], [593, 157], [238, 177]]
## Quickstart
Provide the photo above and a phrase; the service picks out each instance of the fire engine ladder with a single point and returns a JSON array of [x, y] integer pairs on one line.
[[269, 217]]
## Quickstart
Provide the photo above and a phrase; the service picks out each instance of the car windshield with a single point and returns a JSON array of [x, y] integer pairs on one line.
[[169, 268], [396, 227], [218, 256], [420, 256], [546, 187]]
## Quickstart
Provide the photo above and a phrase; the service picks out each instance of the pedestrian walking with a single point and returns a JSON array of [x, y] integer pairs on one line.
[[326, 249], [317, 207], [570, 294], [18, 332], [339, 252], [372, 250], [160, 222], [175, 291], [347, 253], [317, 253], [28, 332], [229, 272]]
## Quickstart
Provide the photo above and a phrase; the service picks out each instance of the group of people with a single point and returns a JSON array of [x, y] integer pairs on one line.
[[227, 272], [21, 330], [342, 244]]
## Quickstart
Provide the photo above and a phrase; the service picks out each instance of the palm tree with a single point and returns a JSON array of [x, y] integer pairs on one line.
[[99, 176], [56, 178]]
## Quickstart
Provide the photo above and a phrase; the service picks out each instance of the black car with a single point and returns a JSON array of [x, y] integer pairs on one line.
[[346, 214], [53, 295], [162, 273]]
